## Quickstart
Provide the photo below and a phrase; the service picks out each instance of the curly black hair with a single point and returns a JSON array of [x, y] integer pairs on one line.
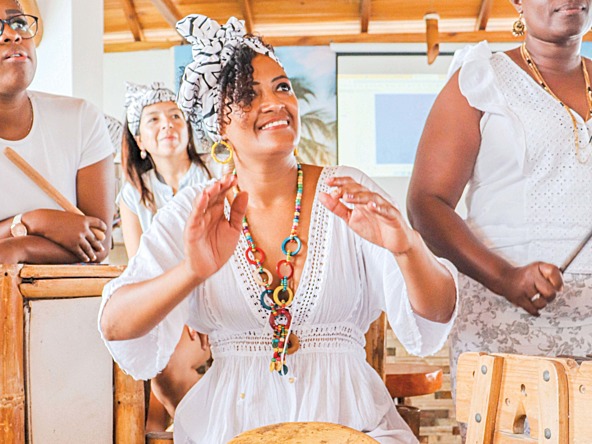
[[236, 80]]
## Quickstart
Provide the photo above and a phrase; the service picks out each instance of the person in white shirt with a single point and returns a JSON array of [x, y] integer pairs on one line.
[[283, 265], [516, 127], [66, 141], [160, 159]]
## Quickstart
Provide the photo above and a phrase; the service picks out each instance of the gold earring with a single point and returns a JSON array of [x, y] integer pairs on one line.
[[518, 27], [143, 154], [295, 151], [216, 150]]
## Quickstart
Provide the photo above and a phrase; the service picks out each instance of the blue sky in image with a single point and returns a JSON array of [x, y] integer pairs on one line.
[[400, 119]]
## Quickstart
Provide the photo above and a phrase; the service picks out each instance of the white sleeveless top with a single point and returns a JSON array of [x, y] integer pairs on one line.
[[529, 198]]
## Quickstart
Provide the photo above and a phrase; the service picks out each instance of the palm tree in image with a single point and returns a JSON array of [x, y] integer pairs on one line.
[[317, 140]]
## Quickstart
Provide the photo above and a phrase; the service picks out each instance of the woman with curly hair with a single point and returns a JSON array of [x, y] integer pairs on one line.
[[283, 265]]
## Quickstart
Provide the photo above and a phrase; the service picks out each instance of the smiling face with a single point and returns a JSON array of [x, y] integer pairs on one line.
[[163, 131], [555, 20], [271, 123], [18, 60]]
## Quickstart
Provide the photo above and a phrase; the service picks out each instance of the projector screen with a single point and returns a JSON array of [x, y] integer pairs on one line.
[[383, 101]]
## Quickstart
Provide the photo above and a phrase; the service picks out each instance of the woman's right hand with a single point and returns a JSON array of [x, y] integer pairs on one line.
[[210, 238], [522, 284], [69, 230]]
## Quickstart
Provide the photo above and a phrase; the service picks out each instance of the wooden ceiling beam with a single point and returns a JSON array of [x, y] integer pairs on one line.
[[419, 37], [484, 14], [168, 10], [132, 20], [445, 37], [245, 6], [364, 15]]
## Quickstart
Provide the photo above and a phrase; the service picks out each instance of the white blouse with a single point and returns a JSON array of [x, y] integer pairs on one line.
[[529, 197], [346, 282], [161, 191]]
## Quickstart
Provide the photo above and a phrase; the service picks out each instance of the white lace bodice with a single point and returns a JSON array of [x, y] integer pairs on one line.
[[346, 282], [529, 197]]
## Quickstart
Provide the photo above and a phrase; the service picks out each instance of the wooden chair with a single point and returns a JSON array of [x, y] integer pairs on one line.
[[402, 380], [496, 394]]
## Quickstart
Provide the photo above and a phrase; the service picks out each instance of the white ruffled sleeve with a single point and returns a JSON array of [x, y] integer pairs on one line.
[[387, 290], [161, 248], [478, 83]]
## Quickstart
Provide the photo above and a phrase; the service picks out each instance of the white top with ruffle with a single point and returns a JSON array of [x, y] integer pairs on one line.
[[529, 197]]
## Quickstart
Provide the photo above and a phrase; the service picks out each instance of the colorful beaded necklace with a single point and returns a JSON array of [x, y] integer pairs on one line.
[[279, 300]]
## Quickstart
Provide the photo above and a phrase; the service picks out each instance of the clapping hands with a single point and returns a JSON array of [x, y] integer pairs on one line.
[[210, 238], [369, 214]]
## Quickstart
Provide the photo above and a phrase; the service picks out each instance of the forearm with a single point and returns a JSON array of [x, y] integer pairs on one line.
[[135, 309], [448, 236], [34, 250], [430, 286]]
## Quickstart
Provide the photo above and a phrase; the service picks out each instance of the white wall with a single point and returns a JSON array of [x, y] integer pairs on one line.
[[70, 56], [142, 67]]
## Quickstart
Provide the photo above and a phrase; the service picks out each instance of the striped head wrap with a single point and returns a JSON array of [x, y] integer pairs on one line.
[[212, 47], [139, 96]]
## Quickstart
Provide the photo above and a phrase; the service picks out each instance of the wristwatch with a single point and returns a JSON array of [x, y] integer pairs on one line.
[[17, 228]]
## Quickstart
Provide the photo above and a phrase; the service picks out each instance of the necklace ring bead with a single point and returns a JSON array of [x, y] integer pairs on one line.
[[252, 258], [276, 296], [258, 273], [280, 312], [285, 263], [267, 293], [287, 241]]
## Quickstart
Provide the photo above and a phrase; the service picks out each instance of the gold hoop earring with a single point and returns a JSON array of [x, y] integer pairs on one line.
[[519, 27], [217, 147], [143, 154]]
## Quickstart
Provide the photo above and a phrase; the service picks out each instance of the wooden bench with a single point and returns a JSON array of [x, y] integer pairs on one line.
[[498, 394], [56, 376]]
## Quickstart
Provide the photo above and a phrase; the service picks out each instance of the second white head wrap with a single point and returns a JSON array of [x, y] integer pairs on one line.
[[139, 96]]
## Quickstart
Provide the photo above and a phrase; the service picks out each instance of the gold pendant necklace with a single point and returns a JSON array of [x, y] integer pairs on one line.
[[539, 78]]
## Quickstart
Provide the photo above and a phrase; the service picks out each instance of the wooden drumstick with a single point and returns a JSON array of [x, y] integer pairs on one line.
[[575, 252], [46, 187]]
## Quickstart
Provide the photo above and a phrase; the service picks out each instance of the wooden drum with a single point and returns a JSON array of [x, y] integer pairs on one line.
[[303, 433]]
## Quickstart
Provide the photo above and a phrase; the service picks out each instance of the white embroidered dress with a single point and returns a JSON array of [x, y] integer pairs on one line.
[[529, 199], [345, 284]]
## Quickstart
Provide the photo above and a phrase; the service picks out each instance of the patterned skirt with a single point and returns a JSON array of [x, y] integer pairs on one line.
[[489, 323]]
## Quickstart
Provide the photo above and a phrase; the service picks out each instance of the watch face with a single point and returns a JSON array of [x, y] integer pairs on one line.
[[18, 230]]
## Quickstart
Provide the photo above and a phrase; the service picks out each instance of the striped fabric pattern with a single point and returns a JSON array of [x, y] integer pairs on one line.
[[139, 96], [212, 47]]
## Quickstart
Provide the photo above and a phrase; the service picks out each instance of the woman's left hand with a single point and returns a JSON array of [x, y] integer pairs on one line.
[[369, 214]]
